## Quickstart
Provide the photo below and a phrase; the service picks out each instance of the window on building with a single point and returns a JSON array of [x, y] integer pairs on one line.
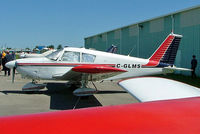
[[190, 18], [133, 30], [104, 37], [156, 25], [117, 34]]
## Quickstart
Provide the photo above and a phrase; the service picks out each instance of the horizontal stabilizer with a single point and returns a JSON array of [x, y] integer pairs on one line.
[[172, 69], [154, 88], [177, 68]]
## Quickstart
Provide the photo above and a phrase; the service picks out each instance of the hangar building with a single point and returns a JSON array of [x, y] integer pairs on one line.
[[145, 37]]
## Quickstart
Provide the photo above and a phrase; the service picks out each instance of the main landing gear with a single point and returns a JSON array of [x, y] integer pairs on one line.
[[83, 90]]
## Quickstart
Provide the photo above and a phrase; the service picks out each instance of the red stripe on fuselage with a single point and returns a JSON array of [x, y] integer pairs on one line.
[[151, 63], [61, 64], [96, 69]]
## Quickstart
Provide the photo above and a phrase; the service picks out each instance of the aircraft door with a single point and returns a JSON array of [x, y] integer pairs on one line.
[[88, 58]]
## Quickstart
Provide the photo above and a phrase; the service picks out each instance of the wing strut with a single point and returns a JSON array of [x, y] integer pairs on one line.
[[84, 90], [77, 102]]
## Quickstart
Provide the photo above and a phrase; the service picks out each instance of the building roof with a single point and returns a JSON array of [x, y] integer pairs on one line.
[[183, 10]]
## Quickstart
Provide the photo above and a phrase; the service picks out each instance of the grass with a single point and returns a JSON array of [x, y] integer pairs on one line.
[[17, 56], [182, 78]]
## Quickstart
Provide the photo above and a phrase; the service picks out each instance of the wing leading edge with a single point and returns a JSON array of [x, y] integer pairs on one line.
[[154, 88], [96, 72]]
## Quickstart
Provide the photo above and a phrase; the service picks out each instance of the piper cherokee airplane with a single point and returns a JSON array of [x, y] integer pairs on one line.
[[80, 65], [169, 107]]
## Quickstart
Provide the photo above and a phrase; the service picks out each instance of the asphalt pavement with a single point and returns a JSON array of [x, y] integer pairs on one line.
[[56, 96]]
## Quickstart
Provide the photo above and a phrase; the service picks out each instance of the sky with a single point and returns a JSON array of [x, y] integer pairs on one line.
[[28, 23]]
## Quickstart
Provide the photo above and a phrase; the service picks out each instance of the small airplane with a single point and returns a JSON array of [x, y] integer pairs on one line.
[[169, 107], [112, 49], [34, 55], [80, 65]]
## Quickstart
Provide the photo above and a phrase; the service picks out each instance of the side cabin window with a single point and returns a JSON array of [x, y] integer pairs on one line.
[[88, 57], [71, 56]]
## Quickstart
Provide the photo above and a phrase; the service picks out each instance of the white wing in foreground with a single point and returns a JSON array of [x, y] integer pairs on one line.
[[154, 88]]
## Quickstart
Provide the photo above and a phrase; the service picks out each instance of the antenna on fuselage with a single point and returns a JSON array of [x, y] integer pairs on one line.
[[131, 51]]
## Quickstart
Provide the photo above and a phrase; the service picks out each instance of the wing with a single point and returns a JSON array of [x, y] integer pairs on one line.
[[180, 116], [154, 88], [93, 72]]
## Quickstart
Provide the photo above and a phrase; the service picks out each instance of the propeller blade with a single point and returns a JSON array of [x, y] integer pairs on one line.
[[13, 74]]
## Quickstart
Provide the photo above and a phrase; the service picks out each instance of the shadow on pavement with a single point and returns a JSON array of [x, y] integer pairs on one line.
[[110, 92], [61, 98]]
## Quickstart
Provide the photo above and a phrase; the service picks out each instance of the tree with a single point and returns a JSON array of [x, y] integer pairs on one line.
[[59, 46], [50, 46], [8, 48]]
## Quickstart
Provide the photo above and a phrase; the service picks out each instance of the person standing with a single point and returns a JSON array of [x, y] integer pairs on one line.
[[13, 56], [3, 60], [0, 60], [193, 66], [8, 58]]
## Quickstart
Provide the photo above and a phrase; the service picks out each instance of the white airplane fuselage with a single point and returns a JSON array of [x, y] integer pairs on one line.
[[44, 68], [80, 65]]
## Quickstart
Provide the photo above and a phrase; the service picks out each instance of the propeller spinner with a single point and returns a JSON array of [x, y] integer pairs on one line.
[[12, 65]]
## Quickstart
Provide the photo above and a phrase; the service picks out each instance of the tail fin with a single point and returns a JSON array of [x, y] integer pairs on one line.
[[112, 49], [166, 53]]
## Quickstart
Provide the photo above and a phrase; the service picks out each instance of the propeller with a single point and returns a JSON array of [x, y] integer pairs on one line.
[[13, 71], [13, 74]]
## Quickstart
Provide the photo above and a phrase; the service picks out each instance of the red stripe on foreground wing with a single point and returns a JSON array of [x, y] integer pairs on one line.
[[96, 69]]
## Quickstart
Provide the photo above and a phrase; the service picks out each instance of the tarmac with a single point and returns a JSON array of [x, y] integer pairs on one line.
[[56, 96]]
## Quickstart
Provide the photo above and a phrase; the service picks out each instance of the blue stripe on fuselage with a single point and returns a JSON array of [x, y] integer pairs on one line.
[[161, 64]]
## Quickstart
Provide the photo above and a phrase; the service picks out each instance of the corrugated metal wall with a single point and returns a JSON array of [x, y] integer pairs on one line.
[[145, 37]]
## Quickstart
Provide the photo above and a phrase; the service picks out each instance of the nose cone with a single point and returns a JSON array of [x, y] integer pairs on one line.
[[10, 64]]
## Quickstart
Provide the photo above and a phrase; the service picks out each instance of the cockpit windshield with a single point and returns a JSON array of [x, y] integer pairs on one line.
[[54, 55]]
